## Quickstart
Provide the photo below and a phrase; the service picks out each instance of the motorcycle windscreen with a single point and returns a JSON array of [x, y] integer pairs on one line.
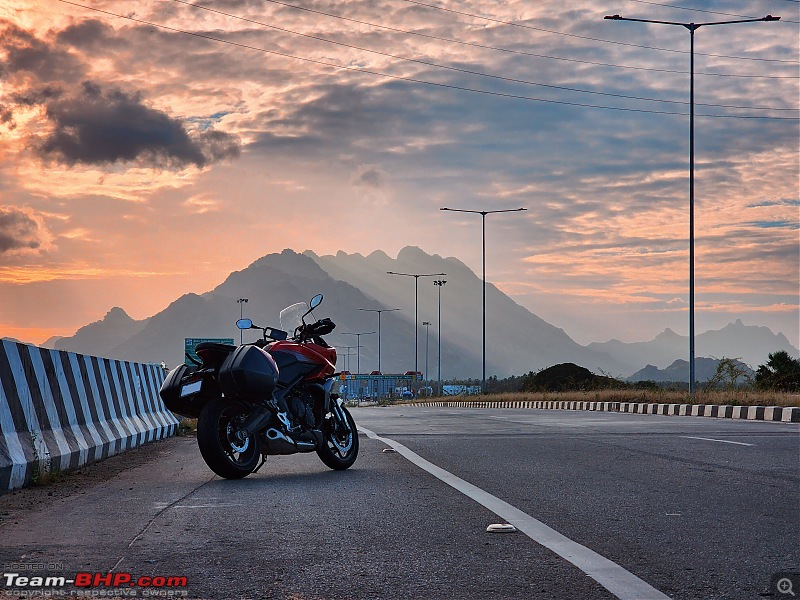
[[292, 316]]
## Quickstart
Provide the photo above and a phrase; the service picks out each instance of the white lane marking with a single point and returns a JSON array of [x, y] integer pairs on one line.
[[562, 424], [205, 505], [623, 584], [689, 437]]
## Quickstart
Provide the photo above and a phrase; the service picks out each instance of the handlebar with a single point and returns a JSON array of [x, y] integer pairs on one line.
[[315, 330]]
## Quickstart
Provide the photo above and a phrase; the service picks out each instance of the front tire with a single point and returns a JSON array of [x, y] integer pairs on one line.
[[339, 448], [227, 456]]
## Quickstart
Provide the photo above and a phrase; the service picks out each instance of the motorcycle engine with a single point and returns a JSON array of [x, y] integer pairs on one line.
[[302, 407]]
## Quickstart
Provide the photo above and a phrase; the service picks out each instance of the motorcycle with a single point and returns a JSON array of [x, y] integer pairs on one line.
[[266, 398]]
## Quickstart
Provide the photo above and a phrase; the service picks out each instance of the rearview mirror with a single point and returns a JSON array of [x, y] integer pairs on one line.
[[244, 324], [315, 301]]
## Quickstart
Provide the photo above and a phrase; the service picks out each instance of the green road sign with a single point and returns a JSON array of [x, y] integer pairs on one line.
[[189, 344]]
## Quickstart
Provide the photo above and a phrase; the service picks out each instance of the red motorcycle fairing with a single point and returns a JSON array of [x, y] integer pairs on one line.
[[308, 359]]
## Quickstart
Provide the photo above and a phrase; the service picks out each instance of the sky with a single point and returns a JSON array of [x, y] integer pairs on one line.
[[150, 148]]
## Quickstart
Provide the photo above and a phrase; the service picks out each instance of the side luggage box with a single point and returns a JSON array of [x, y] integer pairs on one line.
[[182, 394]]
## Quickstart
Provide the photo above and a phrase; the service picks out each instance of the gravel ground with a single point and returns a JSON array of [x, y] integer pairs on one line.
[[39, 496]]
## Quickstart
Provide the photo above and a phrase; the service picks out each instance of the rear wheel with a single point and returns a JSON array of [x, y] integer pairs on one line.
[[223, 451], [339, 448]]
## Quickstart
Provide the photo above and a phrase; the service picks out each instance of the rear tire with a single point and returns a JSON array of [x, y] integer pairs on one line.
[[223, 453], [339, 448]]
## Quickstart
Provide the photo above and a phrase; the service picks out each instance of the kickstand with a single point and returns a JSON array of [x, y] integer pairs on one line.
[[261, 464]]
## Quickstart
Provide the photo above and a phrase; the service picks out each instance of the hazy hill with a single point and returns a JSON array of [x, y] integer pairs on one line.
[[51, 342], [101, 337], [270, 284], [517, 340], [705, 369], [750, 344]]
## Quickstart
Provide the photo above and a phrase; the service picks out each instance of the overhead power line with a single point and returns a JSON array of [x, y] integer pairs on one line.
[[518, 52], [468, 71], [583, 37], [411, 79]]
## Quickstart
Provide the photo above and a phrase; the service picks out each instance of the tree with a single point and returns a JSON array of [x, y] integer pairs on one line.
[[731, 372], [781, 372]]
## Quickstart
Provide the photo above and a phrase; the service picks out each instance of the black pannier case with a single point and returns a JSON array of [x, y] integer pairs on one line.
[[170, 393], [250, 373]]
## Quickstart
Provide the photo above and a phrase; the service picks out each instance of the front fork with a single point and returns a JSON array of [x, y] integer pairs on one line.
[[340, 423]]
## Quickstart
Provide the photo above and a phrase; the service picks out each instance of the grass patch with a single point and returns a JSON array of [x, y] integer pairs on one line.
[[186, 427], [44, 478]]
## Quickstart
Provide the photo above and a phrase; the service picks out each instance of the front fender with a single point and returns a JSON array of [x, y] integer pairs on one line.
[[328, 386]]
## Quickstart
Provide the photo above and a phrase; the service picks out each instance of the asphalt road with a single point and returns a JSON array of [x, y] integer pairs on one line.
[[693, 518]]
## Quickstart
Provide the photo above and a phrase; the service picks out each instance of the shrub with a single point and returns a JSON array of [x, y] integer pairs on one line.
[[568, 377], [781, 372]]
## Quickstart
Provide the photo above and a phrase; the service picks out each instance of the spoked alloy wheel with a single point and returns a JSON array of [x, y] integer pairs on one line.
[[223, 451], [339, 449]]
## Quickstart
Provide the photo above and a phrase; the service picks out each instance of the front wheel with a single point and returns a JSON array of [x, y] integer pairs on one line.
[[228, 456], [339, 448]]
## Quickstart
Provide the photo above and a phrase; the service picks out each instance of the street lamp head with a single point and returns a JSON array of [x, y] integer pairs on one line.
[[613, 17], [771, 18], [415, 274]]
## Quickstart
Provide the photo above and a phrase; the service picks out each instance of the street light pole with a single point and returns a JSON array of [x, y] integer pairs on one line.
[[346, 356], [439, 285], [483, 214], [241, 302], [358, 347], [379, 328], [692, 27], [426, 324], [416, 277]]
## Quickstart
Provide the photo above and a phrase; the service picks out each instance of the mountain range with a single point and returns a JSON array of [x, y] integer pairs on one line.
[[517, 340]]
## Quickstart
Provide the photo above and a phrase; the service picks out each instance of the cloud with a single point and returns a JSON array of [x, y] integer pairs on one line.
[[369, 176], [21, 231], [7, 117], [98, 126], [95, 123], [28, 58], [88, 35]]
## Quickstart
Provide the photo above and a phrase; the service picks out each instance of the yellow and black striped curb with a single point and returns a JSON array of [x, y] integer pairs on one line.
[[785, 414]]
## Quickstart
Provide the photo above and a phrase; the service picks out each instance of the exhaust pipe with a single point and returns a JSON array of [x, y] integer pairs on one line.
[[280, 443], [257, 419]]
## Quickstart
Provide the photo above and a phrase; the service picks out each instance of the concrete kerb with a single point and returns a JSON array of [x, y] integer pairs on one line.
[[783, 414], [60, 410]]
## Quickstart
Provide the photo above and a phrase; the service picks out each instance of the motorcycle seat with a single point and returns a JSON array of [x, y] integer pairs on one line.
[[215, 347]]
